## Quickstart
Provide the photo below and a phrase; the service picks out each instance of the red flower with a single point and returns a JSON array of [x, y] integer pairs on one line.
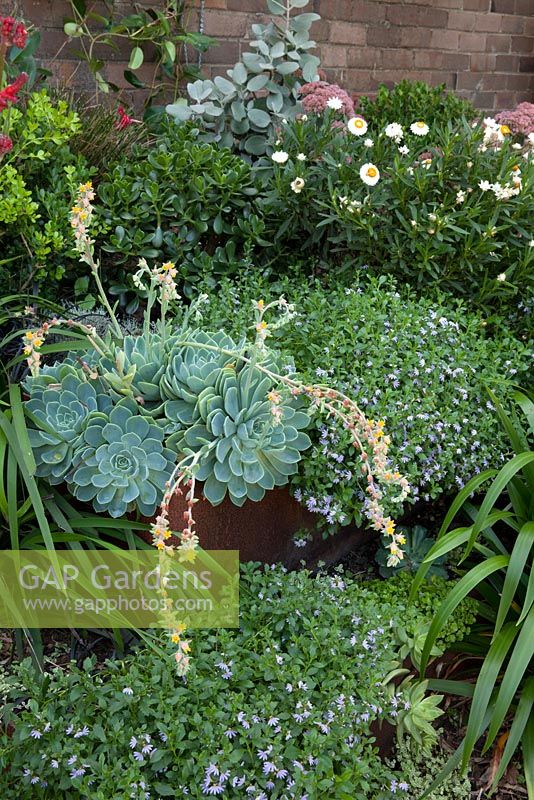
[[9, 94], [12, 32], [5, 144], [124, 120]]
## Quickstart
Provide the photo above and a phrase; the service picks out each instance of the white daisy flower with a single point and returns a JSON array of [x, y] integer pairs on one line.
[[368, 142], [280, 156], [357, 126], [394, 131], [297, 185], [501, 277], [301, 157], [486, 186], [420, 128], [334, 103], [404, 150], [369, 174]]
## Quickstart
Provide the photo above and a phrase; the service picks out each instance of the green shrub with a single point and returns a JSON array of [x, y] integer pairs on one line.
[[410, 100], [265, 704], [419, 365], [448, 209], [39, 177], [178, 199]]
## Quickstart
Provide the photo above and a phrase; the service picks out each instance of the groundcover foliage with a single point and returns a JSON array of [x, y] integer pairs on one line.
[[265, 711]]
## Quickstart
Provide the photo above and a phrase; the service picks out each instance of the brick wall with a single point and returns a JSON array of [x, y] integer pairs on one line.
[[484, 49]]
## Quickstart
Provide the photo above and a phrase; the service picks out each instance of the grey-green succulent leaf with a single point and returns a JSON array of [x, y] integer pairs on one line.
[[121, 462]]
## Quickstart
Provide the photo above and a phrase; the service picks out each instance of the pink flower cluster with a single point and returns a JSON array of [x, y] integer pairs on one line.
[[12, 33], [9, 93], [316, 95], [6, 144], [520, 120]]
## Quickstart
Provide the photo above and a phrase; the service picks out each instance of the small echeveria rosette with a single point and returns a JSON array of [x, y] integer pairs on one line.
[[60, 412], [122, 464]]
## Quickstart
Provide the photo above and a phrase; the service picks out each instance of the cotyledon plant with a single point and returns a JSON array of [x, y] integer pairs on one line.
[[121, 461], [247, 449]]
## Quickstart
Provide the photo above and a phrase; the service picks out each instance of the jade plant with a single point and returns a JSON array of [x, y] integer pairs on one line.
[[262, 89]]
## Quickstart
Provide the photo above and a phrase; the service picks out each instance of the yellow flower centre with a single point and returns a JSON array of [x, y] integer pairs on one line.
[[359, 123], [420, 124], [504, 129], [372, 172]]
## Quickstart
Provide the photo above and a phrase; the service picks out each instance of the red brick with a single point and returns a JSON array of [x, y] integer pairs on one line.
[[477, 5], [221, 25], [498, 43], [513, 24], [509, 63], [365, 10], [251, 6], [359, 80], [503, 6], [523, 44], [415, 15], [433, 59], [523, 7], [444, 40], [483, 100], [397, 59], [493, 82], [321, 30], [363, 57], [462, 20], [526, 64], [225, 52], [520, 83], [468, 80], [482, 62], [343, 33], [415, 37], [333, 55], [383, 36], [489, 22], [529, 26], [504, 100], [472, 42], [216, 3]]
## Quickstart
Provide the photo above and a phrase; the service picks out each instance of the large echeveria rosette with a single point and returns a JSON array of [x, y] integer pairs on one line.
[[60, 412], [190, 372], [247, 449], [121, 463]]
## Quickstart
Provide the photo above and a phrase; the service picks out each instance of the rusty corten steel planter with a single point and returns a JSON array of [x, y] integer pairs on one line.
[[264, 531]]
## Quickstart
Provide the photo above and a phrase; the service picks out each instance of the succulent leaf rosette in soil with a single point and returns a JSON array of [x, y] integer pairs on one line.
[[249, 444], [122, 462], [61, 410]]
